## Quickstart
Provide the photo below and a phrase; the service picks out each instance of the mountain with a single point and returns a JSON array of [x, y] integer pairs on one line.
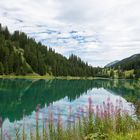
[[132, 62], [112, 63], [21, 55]]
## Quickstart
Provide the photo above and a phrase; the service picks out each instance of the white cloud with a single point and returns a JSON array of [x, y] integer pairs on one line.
[[99, 31]]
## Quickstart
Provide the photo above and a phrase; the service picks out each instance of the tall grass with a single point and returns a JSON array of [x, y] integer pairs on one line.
[[101, 122]]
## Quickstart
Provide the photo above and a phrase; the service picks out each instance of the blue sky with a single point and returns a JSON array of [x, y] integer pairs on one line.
[[99, 31]]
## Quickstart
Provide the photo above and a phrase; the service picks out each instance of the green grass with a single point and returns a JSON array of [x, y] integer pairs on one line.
[[50, 77], [47, 76], [128, 73], [35, 76]]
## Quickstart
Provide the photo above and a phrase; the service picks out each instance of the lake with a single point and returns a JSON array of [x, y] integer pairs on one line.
[[23, 95]]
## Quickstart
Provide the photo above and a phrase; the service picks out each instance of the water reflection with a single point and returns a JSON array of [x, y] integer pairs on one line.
[[17, 95]]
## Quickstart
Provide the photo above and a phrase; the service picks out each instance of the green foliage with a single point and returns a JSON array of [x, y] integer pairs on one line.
[[137, 73], [112, 73], [129, 63], [120, 74], [21, 55], [1, 68]]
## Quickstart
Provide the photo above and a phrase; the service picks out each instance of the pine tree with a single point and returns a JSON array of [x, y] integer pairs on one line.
[[22, 55], [6, 33], [137, 73], [11, 62], [0, 27], [1, 69], [112, 73], [6, 68]]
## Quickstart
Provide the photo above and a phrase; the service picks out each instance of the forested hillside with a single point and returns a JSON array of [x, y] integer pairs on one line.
[[132, 62], [21, 55]]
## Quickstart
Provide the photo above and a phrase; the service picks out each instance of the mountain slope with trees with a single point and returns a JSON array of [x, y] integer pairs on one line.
[[21, 55], [132, 62], [128, 67]]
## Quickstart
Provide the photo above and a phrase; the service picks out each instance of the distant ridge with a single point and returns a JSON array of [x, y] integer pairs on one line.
[[111, 64], [132, 62]]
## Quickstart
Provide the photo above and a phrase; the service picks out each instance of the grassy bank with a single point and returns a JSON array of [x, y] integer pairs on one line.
[[46, 77], [51, 77], [106, 122]]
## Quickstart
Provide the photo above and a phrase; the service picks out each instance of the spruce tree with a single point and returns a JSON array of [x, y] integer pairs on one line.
[[1, 69]]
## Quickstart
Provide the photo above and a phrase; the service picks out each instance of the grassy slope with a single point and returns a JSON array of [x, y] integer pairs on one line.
[[21, 52]]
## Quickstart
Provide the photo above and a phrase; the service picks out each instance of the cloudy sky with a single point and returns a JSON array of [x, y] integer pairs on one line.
[[99, 31]]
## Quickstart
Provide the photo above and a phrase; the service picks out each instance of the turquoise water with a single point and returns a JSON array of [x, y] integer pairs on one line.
[[18, 95]]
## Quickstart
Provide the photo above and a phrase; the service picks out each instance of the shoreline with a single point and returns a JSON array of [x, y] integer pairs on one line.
[[57, 77], [50, 77]]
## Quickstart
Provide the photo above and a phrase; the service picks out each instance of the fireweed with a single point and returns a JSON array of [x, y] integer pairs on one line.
[[107, 121]]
